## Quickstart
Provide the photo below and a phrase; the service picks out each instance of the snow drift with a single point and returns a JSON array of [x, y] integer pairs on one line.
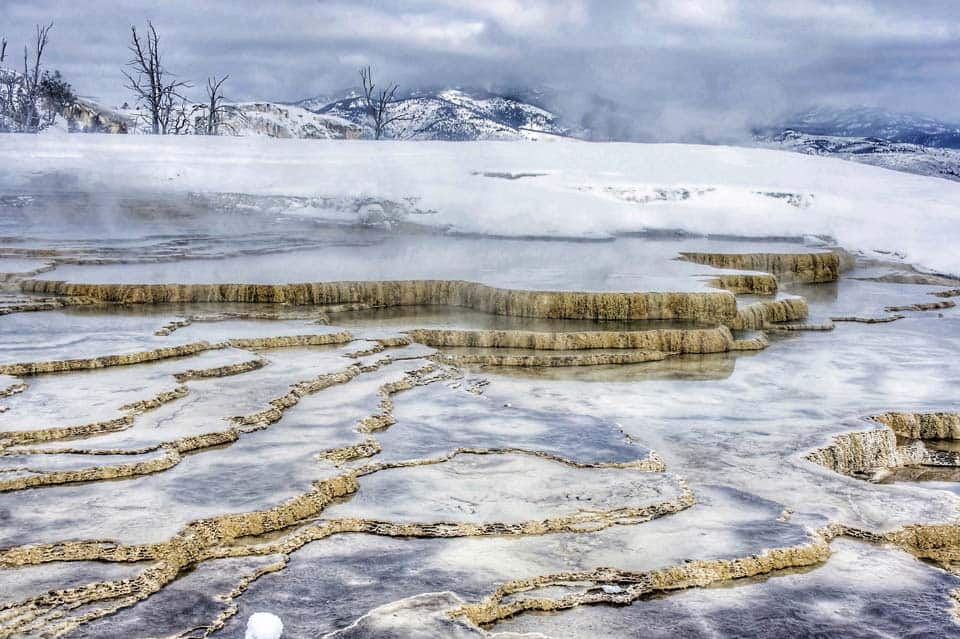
[[564, 188]]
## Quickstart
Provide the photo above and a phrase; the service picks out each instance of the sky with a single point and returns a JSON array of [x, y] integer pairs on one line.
[[652, 69]]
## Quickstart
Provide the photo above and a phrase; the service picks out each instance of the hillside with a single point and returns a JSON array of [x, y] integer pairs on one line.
[[267, 119], [452, 114], [870, 122], [898, 156]]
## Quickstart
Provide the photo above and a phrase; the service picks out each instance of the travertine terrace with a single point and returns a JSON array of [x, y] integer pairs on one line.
[[385, 429]]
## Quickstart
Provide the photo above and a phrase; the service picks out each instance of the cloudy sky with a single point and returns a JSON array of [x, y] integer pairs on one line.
[[672, 69]]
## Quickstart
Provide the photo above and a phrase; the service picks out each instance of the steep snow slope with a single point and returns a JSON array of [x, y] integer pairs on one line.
[[453, 114], [899, 156], [564, 189]]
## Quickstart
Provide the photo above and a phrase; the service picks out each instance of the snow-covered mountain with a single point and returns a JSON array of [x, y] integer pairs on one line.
[[899, 156], [869, 122], [452, 114], [899, 141], [449, 114]]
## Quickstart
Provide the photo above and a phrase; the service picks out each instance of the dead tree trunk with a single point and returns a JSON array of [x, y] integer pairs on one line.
[[27, 109], [150, 81], [378, 104], [215, 107], [8, 82]]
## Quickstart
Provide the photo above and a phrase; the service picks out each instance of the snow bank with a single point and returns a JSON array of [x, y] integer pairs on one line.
[[565, 188], [264, 625]]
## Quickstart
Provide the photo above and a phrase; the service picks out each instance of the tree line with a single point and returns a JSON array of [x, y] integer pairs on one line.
[[32, 99]]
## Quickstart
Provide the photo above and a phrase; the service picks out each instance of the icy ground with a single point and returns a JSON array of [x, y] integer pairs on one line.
[[488, 467]]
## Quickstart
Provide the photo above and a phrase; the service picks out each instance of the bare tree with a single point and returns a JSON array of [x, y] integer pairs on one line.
[[378, 104], [23, 93], [216, 109], [155, 87], [7, 84], [178, 118]]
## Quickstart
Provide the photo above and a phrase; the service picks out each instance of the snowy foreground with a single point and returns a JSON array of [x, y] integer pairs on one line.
[[561, 188]]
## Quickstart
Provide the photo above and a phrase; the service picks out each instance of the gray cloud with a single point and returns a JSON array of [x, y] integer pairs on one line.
[[675, 69]]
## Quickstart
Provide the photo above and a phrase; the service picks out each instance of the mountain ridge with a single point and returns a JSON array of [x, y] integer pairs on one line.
[[453, 114], [871, 122]]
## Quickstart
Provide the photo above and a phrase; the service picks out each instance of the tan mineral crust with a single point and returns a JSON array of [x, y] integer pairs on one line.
[[211, 538], [810, 268], [747, 283], [923, 306], [285, 527], [480, 297], [760, 315], [694, 341], [898, 444], [922, 425]]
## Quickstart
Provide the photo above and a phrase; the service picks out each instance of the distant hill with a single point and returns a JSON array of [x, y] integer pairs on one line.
[[899, 156], [267, 119], [452, 114], [899, 141], [869, 122], [447, 114]]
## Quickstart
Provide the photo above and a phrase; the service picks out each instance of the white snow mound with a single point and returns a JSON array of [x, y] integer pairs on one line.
[[264, 625], [567, 188]]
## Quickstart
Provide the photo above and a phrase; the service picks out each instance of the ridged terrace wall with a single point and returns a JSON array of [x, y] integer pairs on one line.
[[704, 306], [810, 268]]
